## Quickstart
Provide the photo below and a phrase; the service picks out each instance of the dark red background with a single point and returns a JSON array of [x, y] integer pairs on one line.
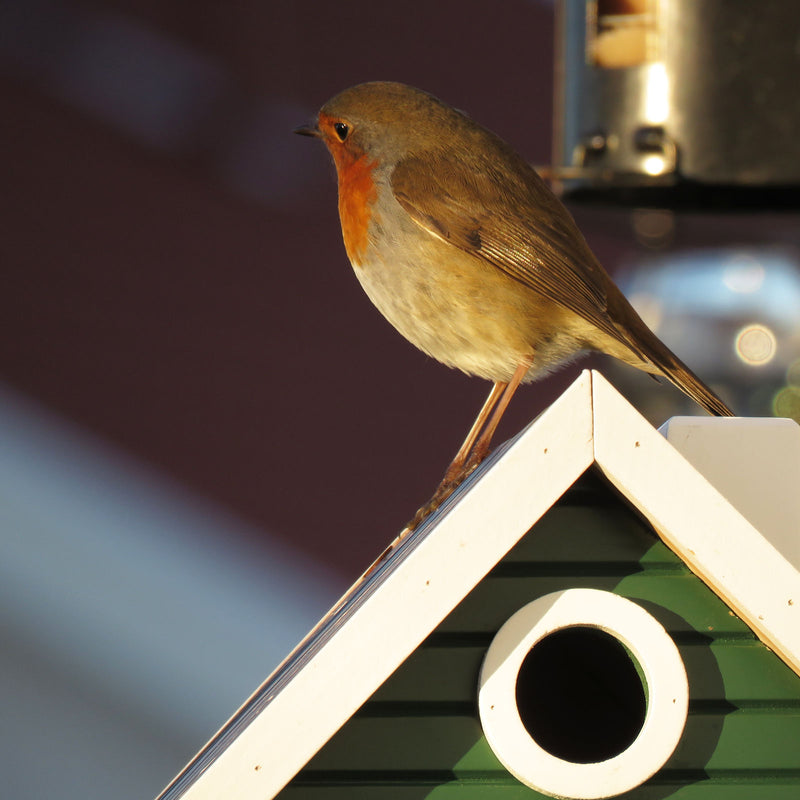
[[220, 336]]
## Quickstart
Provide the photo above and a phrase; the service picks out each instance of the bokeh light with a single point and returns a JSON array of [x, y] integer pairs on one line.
[[732, 313], [756, 345], [744, 274], [786, 403]]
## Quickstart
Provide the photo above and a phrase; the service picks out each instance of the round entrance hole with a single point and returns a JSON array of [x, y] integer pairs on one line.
[[580, 696], [561, 700]]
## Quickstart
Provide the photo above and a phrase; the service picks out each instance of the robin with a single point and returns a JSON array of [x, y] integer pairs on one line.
[[467, 252]]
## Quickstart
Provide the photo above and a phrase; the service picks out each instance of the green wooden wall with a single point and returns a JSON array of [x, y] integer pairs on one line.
[[419, 735]]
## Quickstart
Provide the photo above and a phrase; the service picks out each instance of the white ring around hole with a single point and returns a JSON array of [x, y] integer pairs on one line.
[[660, 662]]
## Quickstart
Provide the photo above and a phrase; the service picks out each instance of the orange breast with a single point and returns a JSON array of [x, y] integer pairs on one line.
[[357, 193]]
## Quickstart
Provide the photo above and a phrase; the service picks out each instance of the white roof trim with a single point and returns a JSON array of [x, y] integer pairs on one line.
[[698, 523], [404, 598]]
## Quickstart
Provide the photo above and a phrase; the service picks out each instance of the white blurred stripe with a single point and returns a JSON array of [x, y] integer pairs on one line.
[[134, 593]]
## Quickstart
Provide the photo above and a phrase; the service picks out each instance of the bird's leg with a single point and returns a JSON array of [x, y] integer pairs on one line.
[[455, 472], [476, 445], [457, 464], [481, 447]]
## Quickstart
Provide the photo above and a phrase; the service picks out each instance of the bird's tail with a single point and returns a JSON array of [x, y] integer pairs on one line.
[[675, 371], [656, 358]]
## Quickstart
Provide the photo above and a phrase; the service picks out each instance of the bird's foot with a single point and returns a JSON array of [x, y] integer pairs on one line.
[[451, 481], [454, 477]]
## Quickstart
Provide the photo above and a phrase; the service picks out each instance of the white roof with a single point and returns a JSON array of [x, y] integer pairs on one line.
[[407, 594]]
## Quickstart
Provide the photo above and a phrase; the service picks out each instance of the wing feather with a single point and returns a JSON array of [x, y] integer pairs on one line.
[[515, 223]]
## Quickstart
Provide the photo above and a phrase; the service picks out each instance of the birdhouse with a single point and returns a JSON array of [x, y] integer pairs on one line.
[[601, 609]]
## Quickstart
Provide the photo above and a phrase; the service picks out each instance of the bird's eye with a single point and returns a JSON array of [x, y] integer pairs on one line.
[[342, 129]]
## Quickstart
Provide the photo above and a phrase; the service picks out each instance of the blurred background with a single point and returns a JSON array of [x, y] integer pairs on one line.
[[206, 430]]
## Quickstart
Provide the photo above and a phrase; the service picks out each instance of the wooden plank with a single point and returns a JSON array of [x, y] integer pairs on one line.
[[756, 788], [436, 674], [742, 673], [410, 789], [679, 601], [575, 534], [703, 789], [776, 788], [738, 742], [749, 671], [682, 603], [407, 743]]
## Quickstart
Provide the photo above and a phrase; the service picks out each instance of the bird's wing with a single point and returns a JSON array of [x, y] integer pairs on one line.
[[518, 226]]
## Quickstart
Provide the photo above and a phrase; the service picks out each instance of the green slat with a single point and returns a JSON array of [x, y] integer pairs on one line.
[[701, 791], [742, 741], [570, 534], [457, 790], [488, 606], [750, 673], [739, 741], [404, 743], [410, 790], [447, 674], [776, 788], [681, 602], [739, 672]]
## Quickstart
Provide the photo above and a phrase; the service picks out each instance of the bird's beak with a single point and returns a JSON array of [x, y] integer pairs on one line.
[[309, 130]]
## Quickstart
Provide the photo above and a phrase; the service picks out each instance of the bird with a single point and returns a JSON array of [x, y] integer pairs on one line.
[[469, 254]]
